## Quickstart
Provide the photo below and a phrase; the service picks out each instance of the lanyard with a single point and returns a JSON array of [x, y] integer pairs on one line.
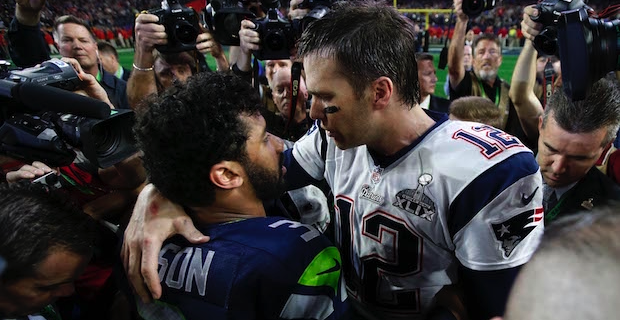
[[98, 76], [553, 213], [119, 72], [484, 94]]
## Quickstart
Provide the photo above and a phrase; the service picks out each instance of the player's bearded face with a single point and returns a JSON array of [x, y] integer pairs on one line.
[[268, 183]]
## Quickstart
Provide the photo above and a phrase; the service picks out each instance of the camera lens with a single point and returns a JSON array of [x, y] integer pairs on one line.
[[473, 8], [275, 41], [106, 140], [547, 41], [605, 44], [589, 49], [185, 32]]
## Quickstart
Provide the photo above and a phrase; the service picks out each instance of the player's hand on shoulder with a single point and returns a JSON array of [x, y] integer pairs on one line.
[[154, 219]]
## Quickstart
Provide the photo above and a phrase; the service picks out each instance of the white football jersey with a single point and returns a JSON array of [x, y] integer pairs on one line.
[[464, 193]]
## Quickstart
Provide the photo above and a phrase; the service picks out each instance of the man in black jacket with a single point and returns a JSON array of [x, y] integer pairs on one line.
[[74, 39], [573, 134], [428, 81]]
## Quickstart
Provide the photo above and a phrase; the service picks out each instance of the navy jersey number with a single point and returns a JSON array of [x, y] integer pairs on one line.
[[399, 255], [490, 140]]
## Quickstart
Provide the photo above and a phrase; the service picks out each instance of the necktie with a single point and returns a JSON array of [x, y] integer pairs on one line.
[[550, 198]]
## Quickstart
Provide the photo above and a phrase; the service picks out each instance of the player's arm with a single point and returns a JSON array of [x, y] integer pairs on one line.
[[486, 292], [313, 289], [296, 176], [500, 215], [154, 219], [305, 162]]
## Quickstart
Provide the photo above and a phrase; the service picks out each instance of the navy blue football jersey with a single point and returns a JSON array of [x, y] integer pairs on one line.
[[259, 268]]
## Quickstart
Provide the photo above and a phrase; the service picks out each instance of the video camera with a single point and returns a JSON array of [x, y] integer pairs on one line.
[[473, 8], [181, 25], [549, 12], [40, 120], [589, 48], [278, 35], [223, 17]]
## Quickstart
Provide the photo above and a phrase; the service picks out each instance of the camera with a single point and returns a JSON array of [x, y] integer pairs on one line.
[[588, 48], [549, 12], [42, 121], [474, 8], [223, 17], [181, 25], [277, 35], [54, 72], [318, 8]]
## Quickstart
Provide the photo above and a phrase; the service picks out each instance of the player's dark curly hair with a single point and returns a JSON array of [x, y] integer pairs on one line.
[[189, 128]]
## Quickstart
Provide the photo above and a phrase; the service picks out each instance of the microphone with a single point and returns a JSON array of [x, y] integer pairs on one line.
[[48, 98]]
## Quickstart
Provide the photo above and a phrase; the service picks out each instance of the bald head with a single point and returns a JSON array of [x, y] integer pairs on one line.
[[575, 274]]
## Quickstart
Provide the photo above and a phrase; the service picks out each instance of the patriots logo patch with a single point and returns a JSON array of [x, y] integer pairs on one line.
[[512, 231]]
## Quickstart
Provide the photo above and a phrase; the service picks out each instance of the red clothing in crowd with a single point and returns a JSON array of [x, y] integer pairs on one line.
[[48, 37]]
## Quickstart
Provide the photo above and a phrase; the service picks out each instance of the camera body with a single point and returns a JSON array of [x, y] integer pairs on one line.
[[318, 8], [54, 72], [474, 8], [50, 133], [223, 17], [277, 35], [550, 12], [181, 25]]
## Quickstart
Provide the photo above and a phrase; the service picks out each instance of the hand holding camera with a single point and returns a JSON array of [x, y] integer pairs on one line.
[[458, 10], [249, 38], [298, 10], [149, 33], [180, 24], [529, 27], [89, 87]]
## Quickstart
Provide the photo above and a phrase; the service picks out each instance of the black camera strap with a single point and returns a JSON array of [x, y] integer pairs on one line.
[[295, 82], [443, 55], [255, 70], [549, 73]]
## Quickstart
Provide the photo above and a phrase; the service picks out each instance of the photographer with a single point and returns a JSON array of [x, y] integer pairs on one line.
[[74, 39], [571, 134], [154, 71], [105, 194], [125, 175], [483, 80], [526, 102]]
